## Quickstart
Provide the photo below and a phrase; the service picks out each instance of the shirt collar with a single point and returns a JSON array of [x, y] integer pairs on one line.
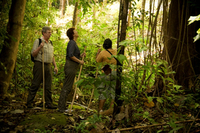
[[43, 39]]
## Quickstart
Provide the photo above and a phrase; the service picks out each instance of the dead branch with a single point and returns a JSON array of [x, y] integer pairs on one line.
[[154, 125]]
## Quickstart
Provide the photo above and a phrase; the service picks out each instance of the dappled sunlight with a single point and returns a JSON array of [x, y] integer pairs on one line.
[[114, 8], [86, 22], [67, 18]]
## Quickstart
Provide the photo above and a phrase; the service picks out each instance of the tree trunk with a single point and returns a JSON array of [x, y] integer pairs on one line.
[[142, 18], [8, 54], [94, 13], [75, 16], [129, 16], [104, 3], [164, 25], [62, 7], [142, 30], [179, 45], [49, 4], [122, 26]]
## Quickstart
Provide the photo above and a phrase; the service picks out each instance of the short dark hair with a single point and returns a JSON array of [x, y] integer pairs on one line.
[[70, 33], [45, 28], [107, 44]]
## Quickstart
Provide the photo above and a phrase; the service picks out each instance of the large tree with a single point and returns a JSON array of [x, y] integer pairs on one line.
[[62, 7], [9, 51], [180, 49], [122, 26], [75, 15]]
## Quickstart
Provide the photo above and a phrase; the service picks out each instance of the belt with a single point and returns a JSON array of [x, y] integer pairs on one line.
[[44, 63]]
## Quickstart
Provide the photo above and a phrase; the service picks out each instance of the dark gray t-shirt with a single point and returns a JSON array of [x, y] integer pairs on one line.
[[72, 50]]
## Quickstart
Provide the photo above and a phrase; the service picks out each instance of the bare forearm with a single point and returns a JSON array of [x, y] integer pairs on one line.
[[35, 52], [75, 59], [54, 63]]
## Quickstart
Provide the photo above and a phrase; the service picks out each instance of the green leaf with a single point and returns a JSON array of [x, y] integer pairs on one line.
[[197, 37], [172, 72], [126, 43], [193, 19], [196, 105], [96, 93], [79, 82], [159, 131], [170, 79], [150, 99], [121, 58], [172, 124], [175, 129], [146, 114], [177, 86], [159, 100]]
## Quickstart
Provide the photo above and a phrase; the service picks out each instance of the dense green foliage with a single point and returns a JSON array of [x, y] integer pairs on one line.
[[137, 77], [4, 12], [37, 15]]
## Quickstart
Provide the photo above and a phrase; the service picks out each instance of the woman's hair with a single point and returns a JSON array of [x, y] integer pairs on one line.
[[107, 44], [45, 28], [70, 33]]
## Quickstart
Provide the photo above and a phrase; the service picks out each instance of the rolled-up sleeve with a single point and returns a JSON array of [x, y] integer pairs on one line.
[[35, 45]]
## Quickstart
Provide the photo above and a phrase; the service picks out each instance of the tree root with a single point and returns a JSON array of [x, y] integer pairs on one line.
[[158, 108]]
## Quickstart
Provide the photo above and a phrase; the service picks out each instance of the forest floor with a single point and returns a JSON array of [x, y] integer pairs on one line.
[[16, 118]]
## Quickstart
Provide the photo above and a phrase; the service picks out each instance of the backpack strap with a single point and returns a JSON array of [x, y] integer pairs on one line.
[[118, 63], [51, 42], [109, 52], [32, 58], [40, 40]]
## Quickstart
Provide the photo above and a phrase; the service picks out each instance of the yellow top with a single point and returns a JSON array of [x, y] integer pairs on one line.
[[105, 57]]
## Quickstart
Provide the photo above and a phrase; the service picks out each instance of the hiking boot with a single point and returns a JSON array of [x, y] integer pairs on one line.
[[29, 106], [64, 111], [50, 106], [40, 104]]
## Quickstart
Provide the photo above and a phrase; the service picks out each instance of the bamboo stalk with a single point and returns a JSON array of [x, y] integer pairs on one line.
[[76, 85], [43, 78]]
